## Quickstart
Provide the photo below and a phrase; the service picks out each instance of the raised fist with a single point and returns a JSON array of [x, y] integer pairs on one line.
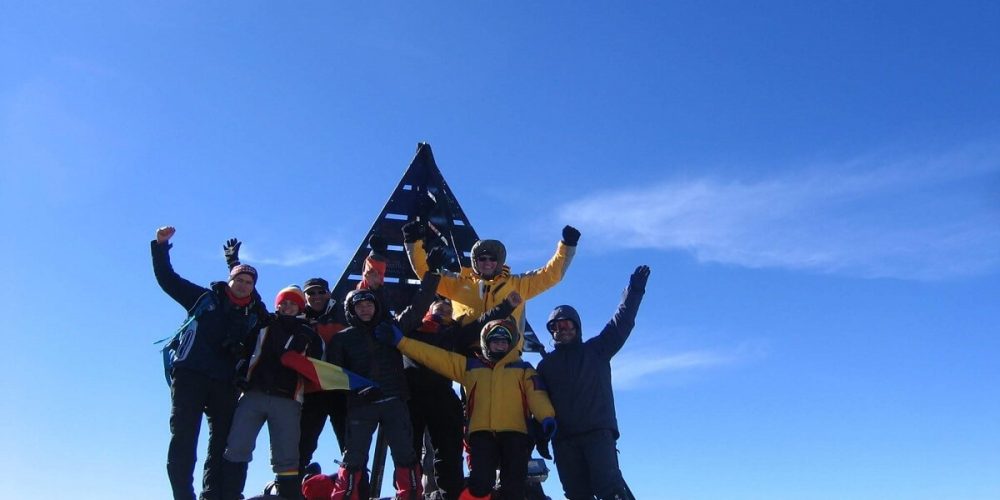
[[164, 234]]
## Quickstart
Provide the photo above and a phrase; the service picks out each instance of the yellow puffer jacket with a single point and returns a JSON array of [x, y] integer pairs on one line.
[[500, 397], [472, 295]]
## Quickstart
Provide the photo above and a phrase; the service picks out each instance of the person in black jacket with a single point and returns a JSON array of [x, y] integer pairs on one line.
[[201, 380], [272, 394], [578, 376], [326, 319], [357, 350]]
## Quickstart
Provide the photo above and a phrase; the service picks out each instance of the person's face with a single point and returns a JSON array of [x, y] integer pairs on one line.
[[374, 278], [241, 285], [442, 309], [564, 331], [499, 345], [487, 265], [288, 307], [365, 310], [317, 298]]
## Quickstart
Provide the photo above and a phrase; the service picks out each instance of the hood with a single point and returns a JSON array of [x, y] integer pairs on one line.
[[566, 312], [355, 295], [492, 247], [516, 346]]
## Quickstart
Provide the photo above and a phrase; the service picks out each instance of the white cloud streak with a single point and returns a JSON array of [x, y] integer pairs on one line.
[[637, 368], [628, 373], [925, 219], [300, 255]]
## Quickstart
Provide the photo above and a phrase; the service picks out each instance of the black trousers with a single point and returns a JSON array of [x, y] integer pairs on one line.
[[510, 452], [588, 465], [362, 420], [440, 414], [316, 409], [193, 394]]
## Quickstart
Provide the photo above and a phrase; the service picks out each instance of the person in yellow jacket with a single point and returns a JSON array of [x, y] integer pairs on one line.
[[489, 281], [504, 392]]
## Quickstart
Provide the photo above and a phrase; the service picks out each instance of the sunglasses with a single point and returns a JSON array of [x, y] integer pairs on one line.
[[561, 324], [486, 258], [316, 291], [499, 333]]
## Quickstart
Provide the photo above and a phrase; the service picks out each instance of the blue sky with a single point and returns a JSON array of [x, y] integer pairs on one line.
[[816, 186]]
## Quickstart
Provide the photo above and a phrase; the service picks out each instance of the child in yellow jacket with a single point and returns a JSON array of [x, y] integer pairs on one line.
[[503, 392]]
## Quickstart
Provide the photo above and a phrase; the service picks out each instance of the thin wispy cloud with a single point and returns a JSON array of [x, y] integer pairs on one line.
[[636, 368], [911, 218], [300, 255]]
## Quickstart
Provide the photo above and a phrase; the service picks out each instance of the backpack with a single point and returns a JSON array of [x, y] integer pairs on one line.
[[180, 342]]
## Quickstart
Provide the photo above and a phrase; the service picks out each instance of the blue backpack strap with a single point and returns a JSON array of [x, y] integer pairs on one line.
[[180, 341]]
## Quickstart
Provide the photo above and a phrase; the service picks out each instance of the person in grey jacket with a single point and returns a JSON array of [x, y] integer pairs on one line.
[[578, 377]]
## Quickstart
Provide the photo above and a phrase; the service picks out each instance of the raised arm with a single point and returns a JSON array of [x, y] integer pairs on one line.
[[469, 334], [447, 363], [535, 282], [231, 249], [617, 331], [412, 316], [183, 291], [413, 233]]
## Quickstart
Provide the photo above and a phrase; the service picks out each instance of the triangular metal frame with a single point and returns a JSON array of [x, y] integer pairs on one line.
[[452, 226]]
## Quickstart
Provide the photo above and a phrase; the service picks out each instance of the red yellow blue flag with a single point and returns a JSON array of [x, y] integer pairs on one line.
[[323, 376]]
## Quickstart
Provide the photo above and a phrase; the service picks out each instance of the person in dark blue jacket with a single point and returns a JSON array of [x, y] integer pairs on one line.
[[202, 377], [578, 376]]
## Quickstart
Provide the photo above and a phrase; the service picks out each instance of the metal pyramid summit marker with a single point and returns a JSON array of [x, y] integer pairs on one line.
[[405, 204]]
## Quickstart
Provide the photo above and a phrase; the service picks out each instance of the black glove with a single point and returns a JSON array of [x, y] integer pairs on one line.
[[232, 251], [542, 445], [638, 279], [313, 468], [437, 259], [570, 236], [541, 440], [378, 244], [414, 231]]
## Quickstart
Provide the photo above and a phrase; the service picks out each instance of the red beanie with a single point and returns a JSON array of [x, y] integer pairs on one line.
[[292, 293]]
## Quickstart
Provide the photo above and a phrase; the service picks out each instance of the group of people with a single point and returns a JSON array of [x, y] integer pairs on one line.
[[241, 366]]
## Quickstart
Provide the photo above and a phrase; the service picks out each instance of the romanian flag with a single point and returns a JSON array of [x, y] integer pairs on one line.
[[323, 376]]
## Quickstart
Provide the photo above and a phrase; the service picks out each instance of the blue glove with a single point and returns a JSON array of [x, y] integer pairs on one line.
[[388, 333], [549, 428]]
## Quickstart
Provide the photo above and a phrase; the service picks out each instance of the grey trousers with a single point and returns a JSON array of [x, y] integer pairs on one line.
[[282, 415]]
